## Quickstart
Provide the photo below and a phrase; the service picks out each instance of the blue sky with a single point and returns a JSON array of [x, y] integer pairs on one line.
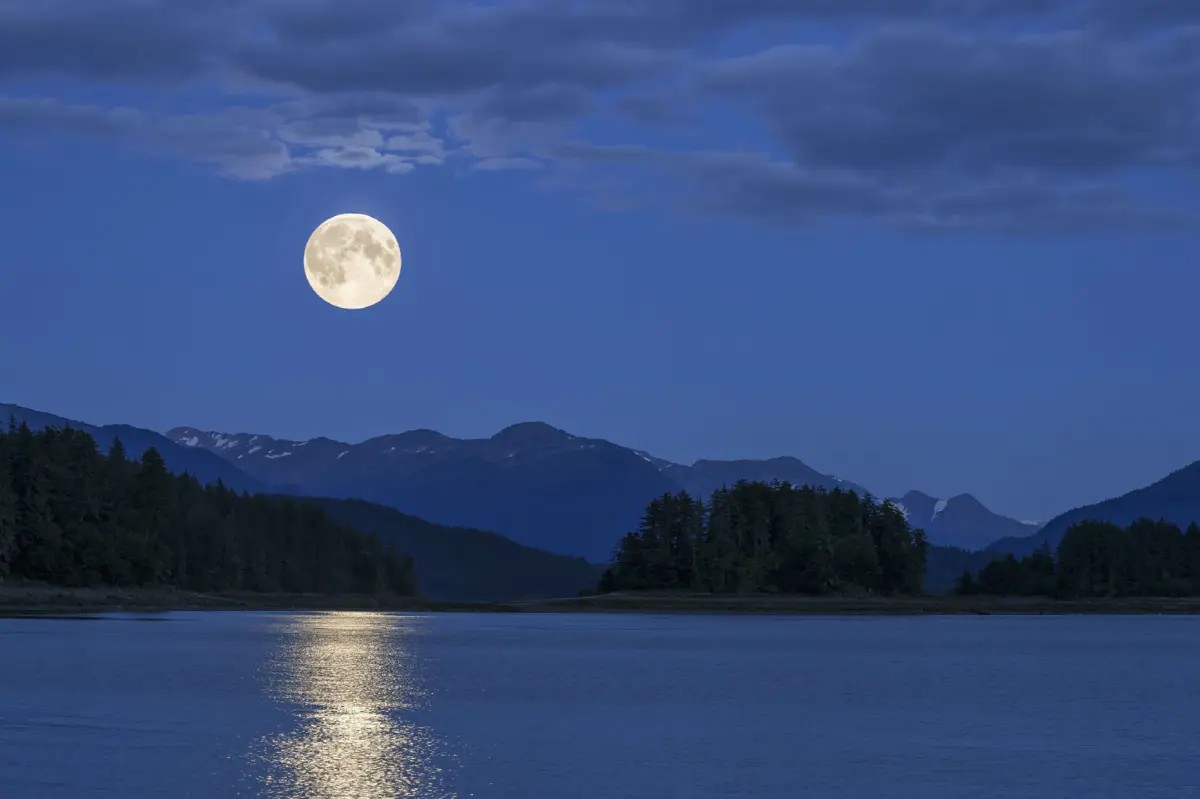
[[951, 248]]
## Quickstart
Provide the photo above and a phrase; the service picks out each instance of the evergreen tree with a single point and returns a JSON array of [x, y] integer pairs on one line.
[[770, 538], [37, 535], [8, 511], [966, 584], [69, 515], [1100, 559]]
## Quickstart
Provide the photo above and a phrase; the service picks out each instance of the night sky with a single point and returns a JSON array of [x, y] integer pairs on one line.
[[952, 249]]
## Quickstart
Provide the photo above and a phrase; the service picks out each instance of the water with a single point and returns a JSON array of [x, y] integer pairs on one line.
[[356, 705]]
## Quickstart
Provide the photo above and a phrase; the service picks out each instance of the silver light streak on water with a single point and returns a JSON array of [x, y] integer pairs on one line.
[[352, 686]]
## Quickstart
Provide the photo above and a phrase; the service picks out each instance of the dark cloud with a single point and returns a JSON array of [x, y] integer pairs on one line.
[[380, 106], [784, 194], [537, 104], [954, 120], [1130, 16], [117, 40], [429, 63], [922, 99], [236, 141], [674, 23], [305, 21], [41, 115], [323, 46], [928, 114]]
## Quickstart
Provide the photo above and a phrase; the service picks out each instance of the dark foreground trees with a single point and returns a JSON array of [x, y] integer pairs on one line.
[[1099, 559], [770, 537], [71, 516]]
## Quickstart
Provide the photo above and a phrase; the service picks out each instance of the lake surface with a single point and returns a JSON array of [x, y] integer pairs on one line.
[[357, 705]]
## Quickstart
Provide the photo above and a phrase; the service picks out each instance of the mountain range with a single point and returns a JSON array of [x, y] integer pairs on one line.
[[452, 563], [542, 486], [531, 482], [539, 485], [542, 490]]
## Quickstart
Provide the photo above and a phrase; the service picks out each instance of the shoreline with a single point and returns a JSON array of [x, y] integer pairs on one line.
[[36, 600], [940, 605]]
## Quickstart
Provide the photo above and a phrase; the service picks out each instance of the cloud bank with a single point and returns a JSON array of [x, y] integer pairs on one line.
[[935, 115]]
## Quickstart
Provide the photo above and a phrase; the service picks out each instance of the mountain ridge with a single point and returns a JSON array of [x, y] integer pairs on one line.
[[1174, 498], [961, 521], [532, 482], [442, 546], [423, 472], [451, 563], [204, 466], [493, 483]]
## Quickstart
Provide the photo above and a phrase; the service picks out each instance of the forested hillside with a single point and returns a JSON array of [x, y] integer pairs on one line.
[[773, 538], [1100, 559], [459, 563], [1175, 498], [72, 516], [207, 467]]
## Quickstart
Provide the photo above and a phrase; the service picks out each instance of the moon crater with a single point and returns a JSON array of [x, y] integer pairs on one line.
[[352, 261]]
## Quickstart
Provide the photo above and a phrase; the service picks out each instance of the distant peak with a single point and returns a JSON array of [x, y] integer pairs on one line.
[[915, 496], [421, 440], [781, 460], [421, 434], [531, 432], [788, 460], [187, 436], [967, 499]]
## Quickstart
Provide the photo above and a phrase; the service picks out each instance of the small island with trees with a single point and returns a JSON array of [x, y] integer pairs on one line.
[[771, 538]]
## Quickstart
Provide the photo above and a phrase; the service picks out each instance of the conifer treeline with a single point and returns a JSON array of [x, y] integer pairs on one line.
[[71, 516], [1099, 559], [773, 538]]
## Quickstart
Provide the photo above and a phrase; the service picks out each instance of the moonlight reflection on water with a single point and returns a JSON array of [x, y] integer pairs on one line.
[[350, 680]]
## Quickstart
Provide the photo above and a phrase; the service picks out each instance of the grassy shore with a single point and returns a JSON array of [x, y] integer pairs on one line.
[[20, 599]]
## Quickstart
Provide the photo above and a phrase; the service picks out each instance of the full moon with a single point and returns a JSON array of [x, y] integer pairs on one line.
[[352, 261]]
